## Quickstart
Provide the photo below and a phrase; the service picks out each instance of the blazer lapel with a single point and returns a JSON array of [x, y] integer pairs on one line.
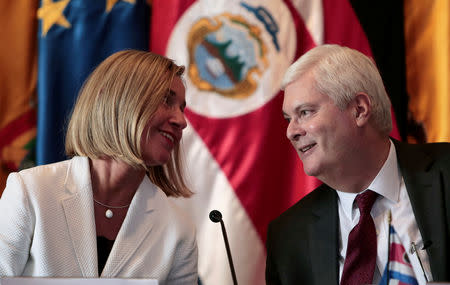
[[79, 214], [324, 239], [424, 189], [138, 223]]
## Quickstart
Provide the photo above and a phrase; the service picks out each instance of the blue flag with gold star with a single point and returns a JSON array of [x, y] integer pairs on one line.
[[74, 37]]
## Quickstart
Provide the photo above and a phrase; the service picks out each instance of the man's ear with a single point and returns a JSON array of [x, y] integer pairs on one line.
[[363, 108]]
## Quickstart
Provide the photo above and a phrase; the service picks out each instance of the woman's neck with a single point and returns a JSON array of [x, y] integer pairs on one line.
[[114, 182]]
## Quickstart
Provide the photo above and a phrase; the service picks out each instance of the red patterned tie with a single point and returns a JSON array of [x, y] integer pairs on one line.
[[361, 254]]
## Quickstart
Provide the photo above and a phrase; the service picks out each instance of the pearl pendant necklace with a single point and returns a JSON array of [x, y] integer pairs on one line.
[[109, 213]]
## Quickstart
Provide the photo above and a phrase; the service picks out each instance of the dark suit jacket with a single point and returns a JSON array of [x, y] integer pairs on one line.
[[302, 244]]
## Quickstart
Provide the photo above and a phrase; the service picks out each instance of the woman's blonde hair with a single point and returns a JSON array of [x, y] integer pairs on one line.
[[115, 103]]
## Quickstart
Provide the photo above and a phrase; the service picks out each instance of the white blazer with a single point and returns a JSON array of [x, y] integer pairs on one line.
[[47, 229]]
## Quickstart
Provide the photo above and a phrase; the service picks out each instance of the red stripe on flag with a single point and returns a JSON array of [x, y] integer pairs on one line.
[[342, 26], [165, 14], [398, 254], [17, 127]]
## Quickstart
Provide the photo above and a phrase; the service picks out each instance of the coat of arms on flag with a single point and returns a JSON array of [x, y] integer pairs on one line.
[[235, 53]]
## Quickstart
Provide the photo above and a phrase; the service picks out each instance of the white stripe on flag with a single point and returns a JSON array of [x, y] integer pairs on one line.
[[213, 191], [311, 12], [401, 268]]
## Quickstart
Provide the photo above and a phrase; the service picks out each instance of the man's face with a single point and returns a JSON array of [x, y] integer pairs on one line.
[[321, 133]]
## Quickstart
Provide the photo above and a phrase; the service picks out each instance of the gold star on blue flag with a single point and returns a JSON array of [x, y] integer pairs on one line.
[[51, 13], [74, 37]]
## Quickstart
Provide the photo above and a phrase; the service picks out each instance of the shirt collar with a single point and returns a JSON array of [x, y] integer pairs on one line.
[[386, 183]]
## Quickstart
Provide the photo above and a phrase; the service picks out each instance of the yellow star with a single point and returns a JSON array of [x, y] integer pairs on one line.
[[52, 13], [110, 4]]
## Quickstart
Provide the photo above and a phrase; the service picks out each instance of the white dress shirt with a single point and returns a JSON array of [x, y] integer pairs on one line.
[[393, 196]]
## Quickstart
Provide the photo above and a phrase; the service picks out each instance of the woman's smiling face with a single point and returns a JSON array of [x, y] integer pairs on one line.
[[165, 128]]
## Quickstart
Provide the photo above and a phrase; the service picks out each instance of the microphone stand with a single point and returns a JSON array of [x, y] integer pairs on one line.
[[215, 216]]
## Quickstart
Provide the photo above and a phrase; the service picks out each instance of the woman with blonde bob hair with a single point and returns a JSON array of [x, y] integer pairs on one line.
[[105, 212]]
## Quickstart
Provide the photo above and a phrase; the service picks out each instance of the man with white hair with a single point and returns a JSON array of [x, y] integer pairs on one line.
[[383, 209]]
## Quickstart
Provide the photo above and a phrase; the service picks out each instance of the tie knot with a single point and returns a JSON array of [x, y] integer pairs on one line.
[[365, 201]]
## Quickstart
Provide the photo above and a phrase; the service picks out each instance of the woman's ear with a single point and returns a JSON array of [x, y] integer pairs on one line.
[[363, 108]]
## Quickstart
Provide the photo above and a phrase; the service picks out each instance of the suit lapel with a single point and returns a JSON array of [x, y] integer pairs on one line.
[[79, 214], [324, 238], [424, 189], [139, 221]]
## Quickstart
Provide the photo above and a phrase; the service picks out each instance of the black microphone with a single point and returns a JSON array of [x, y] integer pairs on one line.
[[216, 217]]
